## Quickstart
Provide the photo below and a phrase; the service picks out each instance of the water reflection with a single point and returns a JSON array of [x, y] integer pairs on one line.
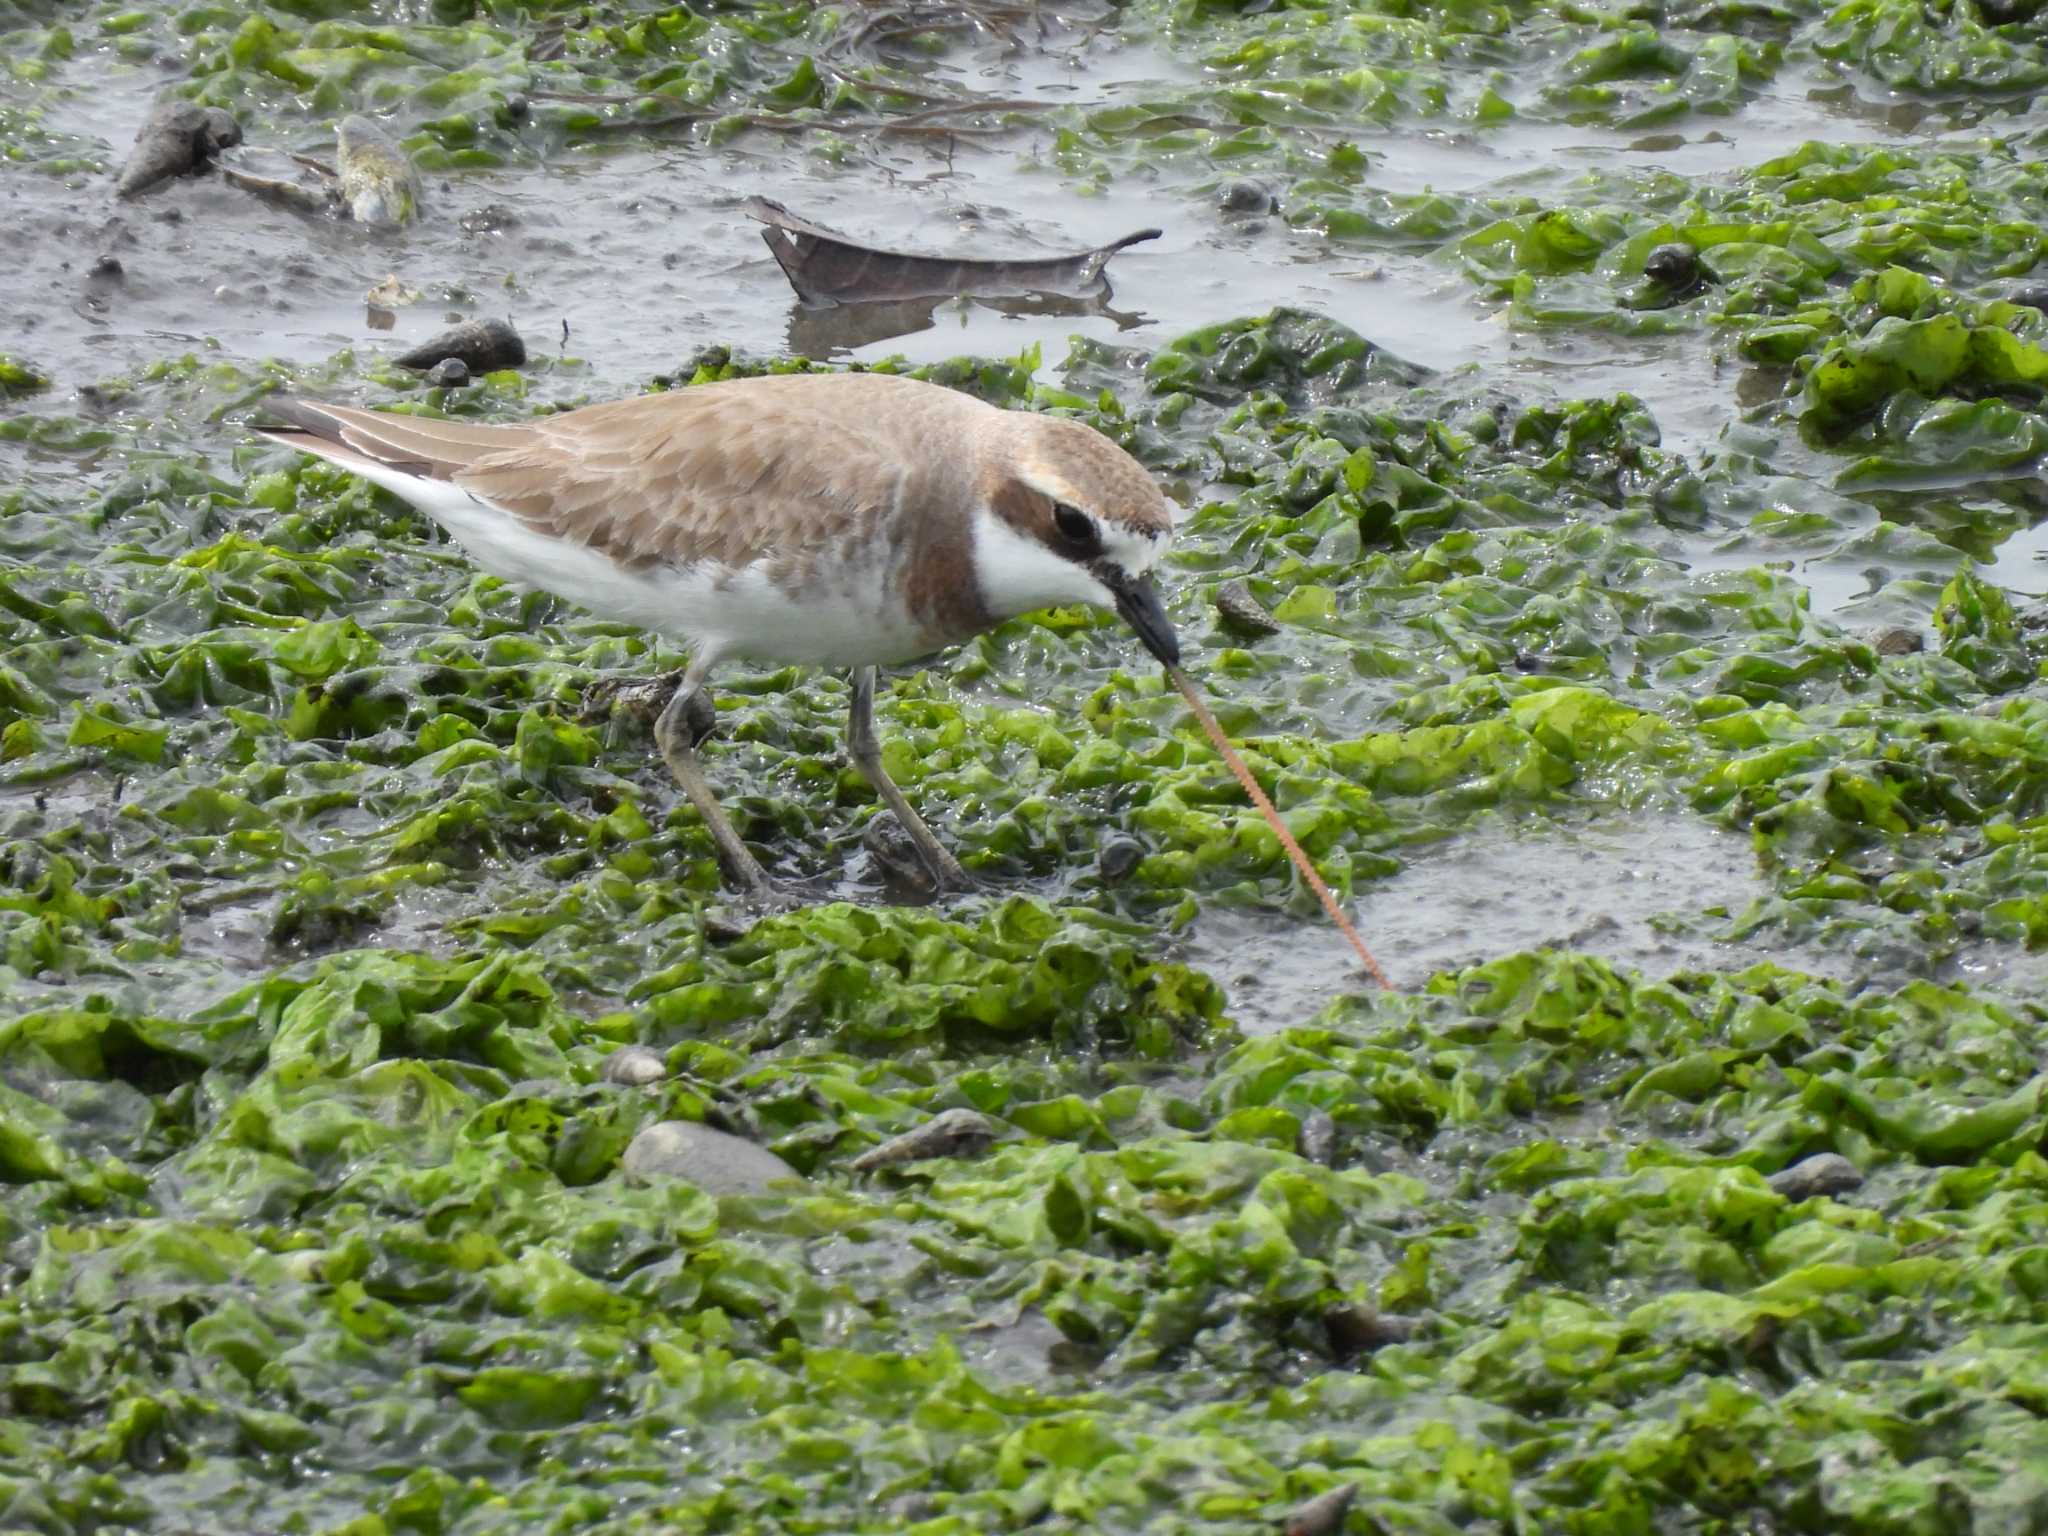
[[836, 330]]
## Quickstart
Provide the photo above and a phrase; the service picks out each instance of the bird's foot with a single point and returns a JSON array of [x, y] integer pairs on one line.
[[642, 699], [918, 865]]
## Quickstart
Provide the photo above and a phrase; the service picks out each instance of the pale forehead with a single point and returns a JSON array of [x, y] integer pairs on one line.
[[1074, 463]]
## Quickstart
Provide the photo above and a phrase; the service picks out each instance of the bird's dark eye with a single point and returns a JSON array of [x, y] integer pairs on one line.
[[1075, 526]]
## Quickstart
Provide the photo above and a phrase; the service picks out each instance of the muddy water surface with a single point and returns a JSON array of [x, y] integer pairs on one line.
[[621, 265]]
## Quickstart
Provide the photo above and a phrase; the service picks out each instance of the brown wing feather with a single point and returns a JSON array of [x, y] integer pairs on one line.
[[736, 472], [421, 445], [720, 473]]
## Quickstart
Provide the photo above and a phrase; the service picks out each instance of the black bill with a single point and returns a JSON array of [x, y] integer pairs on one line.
[[1138, 601]]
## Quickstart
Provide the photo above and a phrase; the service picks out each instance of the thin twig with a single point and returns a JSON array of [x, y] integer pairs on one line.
[[1251, 787]]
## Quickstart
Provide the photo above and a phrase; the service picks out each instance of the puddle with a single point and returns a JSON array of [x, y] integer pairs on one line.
[[2021, 564], [1645, 890]]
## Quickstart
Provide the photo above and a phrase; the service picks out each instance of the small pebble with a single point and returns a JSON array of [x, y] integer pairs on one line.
[[1675, 266], [635, 1066], [1246, 197], [107, 266], [1117, 858], [516, 107], [717, 1163], [1242, 612], [1825, 1173], [1357, 1329], [890, 845], [1896, 640], [449, 373], [1317, 1138], [488, 220], [1322, 1515], [723, 927], [955, 1133]]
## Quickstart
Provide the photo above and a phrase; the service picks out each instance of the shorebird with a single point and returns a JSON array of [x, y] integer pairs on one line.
[[853, 520]]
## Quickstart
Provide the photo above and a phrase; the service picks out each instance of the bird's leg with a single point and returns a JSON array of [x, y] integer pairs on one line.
[[866, 753], [677, 732]]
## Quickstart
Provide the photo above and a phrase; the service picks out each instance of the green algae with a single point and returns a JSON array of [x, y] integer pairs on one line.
[[324, 904], [373, 1199]]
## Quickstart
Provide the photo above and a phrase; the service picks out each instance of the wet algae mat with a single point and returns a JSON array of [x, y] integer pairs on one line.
[[325, 903]]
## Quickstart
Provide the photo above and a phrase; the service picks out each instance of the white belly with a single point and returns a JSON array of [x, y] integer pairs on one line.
[[848, 616]]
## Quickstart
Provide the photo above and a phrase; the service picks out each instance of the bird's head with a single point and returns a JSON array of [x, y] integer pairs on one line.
[[1072, 518]]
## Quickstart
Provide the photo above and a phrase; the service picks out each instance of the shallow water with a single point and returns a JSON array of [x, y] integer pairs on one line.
[[1636, 889], [311, 1210], [643, 255], [623, 263]]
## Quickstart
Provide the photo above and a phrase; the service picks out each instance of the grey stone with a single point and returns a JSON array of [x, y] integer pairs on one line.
[[716, 1163], [177, 138], [635, 1066], [1825, 1173], [1246, 197], [1317, 1138], [1357, 1329], [1117, 858]]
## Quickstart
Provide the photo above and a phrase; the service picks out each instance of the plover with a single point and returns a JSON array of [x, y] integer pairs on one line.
[[851, 520]]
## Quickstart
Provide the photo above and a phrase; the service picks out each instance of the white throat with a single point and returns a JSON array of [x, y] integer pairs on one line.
[[1020, 575]]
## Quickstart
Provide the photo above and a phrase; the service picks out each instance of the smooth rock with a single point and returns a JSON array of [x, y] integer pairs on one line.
[[1117, 858], [635, 1066], [1897, 640], [716, 1163], [1825, 1173], [490, 219], [1317, 1138], [1357, 1329], [480, 345], [1246, 197], [449, 373]]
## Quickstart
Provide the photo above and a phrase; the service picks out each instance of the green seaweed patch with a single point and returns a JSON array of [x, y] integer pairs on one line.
[[1549, 1202], [1934, 381], [20, 378]]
